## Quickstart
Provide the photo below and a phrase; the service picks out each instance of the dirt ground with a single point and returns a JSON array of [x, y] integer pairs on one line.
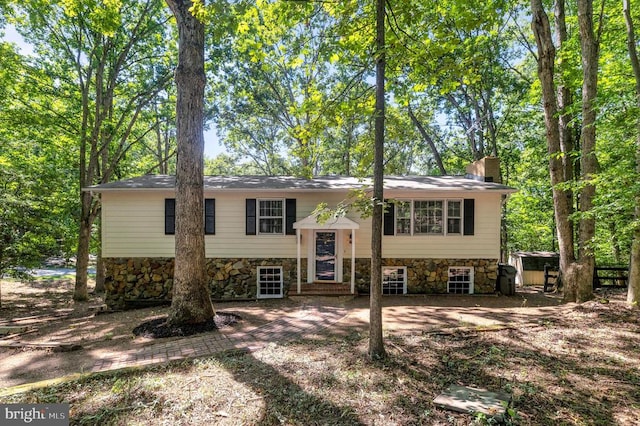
[[562, 364], [60, 332]]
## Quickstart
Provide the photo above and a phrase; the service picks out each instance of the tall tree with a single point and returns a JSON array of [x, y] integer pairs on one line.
[[376, 342], [577, 271], [546, 69], [457, 75], [92, 50], [581, 289], [565, 103], [163, 148], [633, 294], [191, 301], [37, 173]]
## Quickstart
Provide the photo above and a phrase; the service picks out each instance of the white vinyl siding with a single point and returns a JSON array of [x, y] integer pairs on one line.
[[133, 226], [231, 239]]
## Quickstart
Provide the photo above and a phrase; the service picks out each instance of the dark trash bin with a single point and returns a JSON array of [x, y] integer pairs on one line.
[[506, 279]]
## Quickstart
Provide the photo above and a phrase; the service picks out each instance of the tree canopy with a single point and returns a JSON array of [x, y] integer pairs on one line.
[[291, 91]]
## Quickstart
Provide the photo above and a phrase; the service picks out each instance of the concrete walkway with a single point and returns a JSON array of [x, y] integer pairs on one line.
[[309, 320]]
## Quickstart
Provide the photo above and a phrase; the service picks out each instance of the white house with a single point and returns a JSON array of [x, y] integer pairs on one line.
[[441, 235]]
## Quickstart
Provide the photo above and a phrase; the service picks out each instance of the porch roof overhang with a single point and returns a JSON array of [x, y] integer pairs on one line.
[[311, 222]]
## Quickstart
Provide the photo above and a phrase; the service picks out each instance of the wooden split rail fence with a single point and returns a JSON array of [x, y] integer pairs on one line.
[[603, 276]]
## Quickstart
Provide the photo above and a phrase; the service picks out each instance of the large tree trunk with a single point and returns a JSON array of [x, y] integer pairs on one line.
[[191, 302], [565, 117], [81, 292], [633, 294], [561, 203], [376, 343], [582, 289], [100, 272], [577, 274]]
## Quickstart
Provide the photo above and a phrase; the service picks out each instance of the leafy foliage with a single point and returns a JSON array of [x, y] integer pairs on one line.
[[97, 89], [290, 91], [36, 195]]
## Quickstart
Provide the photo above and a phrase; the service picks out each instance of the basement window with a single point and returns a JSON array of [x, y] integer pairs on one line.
[[394, 280], [270, 282], [460, 280]]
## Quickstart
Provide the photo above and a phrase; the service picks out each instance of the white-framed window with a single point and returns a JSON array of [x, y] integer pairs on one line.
[[454, 217], [428, 217], [271, 216], [270, 282], [460, 280], [394, 280], [403, 217]]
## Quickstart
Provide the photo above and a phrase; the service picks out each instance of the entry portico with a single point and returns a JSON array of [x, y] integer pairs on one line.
[[326, 250]]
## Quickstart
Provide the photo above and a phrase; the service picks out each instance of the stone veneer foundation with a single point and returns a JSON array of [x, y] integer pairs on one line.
[[430, 276], [132, 282]]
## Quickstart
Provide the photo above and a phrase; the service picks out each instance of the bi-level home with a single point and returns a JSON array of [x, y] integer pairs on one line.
[[441, 235]]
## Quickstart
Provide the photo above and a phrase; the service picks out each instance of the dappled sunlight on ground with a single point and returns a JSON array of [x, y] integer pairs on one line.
[[424, 313], [561, 363]]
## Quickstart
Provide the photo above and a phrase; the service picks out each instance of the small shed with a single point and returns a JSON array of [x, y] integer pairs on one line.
[[530, 265]]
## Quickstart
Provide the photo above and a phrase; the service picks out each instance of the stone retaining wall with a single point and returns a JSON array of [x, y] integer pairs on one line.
[[140, 281]]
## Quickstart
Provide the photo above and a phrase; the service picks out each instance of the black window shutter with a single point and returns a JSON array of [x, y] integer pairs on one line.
[[389, 218], [290, 212], [251, 216], [469, 216], [169, 216], [210, 216]]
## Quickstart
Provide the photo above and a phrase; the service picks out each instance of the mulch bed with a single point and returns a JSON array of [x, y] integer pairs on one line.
[[159, 327]]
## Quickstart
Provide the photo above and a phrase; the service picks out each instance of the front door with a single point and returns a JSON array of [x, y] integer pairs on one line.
[[325, 256]]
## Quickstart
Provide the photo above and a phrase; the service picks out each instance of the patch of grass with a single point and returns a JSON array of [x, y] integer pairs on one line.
[[61, 276]]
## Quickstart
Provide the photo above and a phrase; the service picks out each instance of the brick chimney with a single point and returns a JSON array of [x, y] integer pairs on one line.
[[486, 169]]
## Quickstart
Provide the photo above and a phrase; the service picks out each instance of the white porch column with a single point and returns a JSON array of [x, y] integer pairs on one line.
[[353, 261], [299, 263]]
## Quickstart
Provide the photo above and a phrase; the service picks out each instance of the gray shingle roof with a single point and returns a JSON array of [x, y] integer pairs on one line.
[[320, 183]]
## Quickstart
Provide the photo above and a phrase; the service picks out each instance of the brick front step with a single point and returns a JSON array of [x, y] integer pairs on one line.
[[320, 289]]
